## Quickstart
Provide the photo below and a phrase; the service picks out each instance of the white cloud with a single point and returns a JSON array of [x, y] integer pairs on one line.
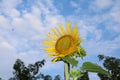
[[36, 11], [47, 8], [98, 5], [5, 45], [9, 55], [116, 15], [103, 3], [14, 13], [102, 47], [86, 29], [93, 76], [74, 4], [93, 36], [108, 19], [115, 11], [54, 21], [8, 5], [96, 44], [4, 22], [77, 6], [21, 34]]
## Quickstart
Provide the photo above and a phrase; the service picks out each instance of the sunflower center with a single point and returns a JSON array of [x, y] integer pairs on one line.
[[64, 43]]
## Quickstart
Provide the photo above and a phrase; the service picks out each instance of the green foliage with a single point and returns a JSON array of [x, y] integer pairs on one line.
[[1, 79], [26, 73], [75, 74], [31, 72], [47, 77], [101, 57], [57, 77], [91, 67], [112, 65], [85, 76], [70, 60], [80, 54], [79, 74]]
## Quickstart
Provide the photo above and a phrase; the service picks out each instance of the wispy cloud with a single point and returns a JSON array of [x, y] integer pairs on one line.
[[22, 31], [24, 24], [74, 4], [101, 4]]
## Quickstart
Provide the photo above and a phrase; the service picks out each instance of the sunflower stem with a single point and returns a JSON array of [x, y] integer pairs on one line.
[[66, 71], [75, 78]]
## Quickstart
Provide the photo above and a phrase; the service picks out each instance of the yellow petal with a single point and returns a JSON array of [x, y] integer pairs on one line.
[[58, 31], [75, 32], [62, 29], [51, 36], [69, 28], [48, 43], [50, 49], [55, 32], [81, 40], [77, 36], [61, 55], [78, 49], [55, 59], [52, 54]]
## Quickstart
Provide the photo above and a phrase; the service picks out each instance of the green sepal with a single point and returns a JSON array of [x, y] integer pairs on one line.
[[82, 51], [75, 73], [70, 60], [91, 67], [80, 54]]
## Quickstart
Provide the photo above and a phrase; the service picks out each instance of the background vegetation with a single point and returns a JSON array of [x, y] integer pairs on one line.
[[32, 71]]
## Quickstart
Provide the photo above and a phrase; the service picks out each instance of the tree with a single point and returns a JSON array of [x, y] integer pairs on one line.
[[57, 77], [47, 77], [12, 78], [1, 79], [112, 65], [84, 77], [21, 72]]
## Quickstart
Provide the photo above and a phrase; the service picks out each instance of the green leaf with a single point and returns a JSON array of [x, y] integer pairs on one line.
[[70, 60], [75, 73], [91, 67], [81, 54]]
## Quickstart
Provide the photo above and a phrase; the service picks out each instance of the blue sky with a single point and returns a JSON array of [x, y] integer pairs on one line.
[[24, 24]]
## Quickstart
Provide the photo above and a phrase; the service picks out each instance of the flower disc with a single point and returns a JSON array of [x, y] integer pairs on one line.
[[64, 43]]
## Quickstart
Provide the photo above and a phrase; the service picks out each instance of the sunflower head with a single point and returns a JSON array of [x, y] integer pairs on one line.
[[62, 43]]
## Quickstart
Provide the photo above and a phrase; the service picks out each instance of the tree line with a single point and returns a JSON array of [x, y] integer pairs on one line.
[[32, 71]]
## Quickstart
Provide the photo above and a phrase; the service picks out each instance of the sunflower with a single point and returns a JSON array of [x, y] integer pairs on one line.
[[62, 43]]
